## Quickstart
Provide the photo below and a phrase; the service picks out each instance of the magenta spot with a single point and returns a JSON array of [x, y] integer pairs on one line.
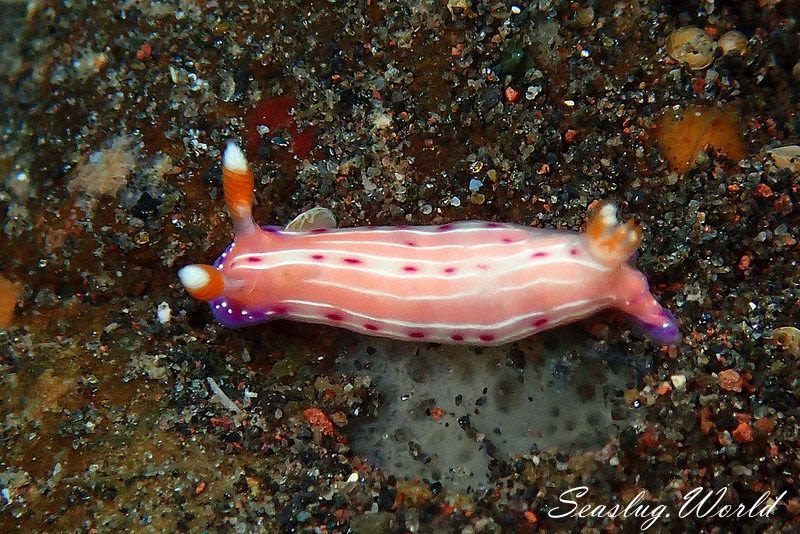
[[482, 266], [370, 326], [317, 257], [319, 230], [334, 316], [573, 251], [450, 270], [540, 322], [444, 227], [539, 255], [271, 229], [280, 310], [411, 244], [507, 240], [416, 334], [457, 337], [253, 259], [410, 269], [352, 261], [486, 337], [492, 225]]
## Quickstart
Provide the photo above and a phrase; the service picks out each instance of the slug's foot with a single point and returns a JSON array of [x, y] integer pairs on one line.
[[611, 242]]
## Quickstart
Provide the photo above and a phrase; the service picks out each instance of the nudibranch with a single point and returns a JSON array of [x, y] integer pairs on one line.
[[473, 283]]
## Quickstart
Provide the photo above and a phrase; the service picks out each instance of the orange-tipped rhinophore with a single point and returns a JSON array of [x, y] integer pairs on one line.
[[611, 242]]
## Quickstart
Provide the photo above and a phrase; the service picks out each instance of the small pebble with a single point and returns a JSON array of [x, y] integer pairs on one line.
[[477, 199], [679, 381], [584, 16], [164, 313], [733, 42], [787, 337], [532, 91], [786, 157], [692, 46]]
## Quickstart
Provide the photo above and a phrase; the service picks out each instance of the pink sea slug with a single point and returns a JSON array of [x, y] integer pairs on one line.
[[473, 283]]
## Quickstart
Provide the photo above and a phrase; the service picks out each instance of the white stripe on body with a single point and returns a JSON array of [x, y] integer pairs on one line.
[[440, 326], [442, 332]]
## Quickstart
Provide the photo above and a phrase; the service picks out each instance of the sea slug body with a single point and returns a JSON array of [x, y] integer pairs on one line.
[[474, 282]]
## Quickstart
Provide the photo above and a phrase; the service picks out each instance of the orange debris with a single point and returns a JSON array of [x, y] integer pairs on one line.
[[730, 380], [649, 439], [9, 293], [144, 52], [744, 262], [531, 517], [765, 425], [705, 420], [437, 413], [319, 420], [743, 433], [683, 138], [763, 191], [512, 95]]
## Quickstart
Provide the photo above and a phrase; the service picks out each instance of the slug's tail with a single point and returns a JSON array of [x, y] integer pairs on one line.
[[203, 282], [611, 242], [650, 318], [662, 328], [237, 184]]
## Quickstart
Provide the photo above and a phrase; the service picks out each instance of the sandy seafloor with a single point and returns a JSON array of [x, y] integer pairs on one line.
[[113, 117]]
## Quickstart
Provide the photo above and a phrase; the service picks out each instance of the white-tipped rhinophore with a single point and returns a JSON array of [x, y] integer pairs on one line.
[[193, 277], [237, 184], [234, 159], [608, 213], [203, 282]]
